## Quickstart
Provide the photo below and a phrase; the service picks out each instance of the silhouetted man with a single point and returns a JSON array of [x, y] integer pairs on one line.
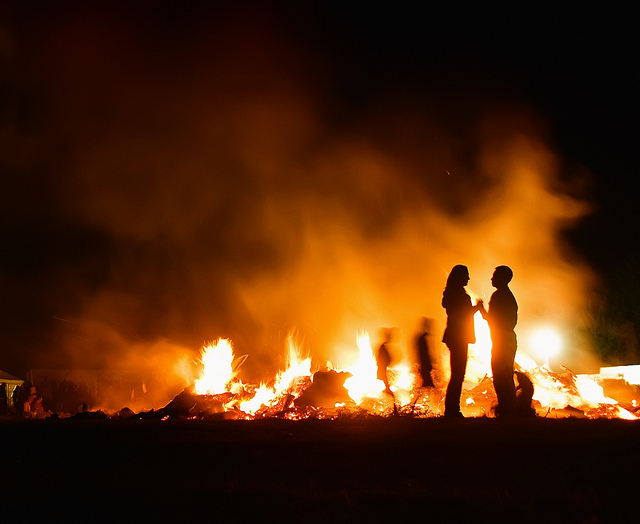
[[502, 318], [422, 343]]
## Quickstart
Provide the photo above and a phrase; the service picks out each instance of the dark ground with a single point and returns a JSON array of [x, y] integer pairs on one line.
[[348, 470]]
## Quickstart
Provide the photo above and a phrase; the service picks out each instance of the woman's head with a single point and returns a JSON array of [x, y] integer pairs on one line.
[[459, 276]]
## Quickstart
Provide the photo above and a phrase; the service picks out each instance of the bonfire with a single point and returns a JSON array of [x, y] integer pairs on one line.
[[297, 392]]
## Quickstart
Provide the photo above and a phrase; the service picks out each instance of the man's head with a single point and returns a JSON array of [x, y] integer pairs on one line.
[[502, 275]]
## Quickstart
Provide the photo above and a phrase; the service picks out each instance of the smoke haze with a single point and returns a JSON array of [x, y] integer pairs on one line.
[[177, 188]]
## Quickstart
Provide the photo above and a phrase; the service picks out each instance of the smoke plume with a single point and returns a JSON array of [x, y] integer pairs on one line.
[[211, 183]]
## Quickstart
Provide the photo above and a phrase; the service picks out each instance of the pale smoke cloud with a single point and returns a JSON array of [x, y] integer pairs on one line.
[[384, 263], [237, 207]]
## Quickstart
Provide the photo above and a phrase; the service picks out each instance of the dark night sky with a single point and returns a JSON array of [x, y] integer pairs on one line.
[[93, 93], [578, 68]]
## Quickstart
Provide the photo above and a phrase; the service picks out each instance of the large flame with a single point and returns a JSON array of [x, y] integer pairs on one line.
[[219, 375]]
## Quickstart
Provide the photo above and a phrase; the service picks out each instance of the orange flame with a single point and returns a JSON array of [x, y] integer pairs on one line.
[[288, 382]]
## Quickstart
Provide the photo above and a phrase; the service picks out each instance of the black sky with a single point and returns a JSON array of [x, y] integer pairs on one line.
[[578, 67], [138, 72]]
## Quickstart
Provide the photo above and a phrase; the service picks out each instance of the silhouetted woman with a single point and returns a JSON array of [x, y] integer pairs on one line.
[[458, 334]]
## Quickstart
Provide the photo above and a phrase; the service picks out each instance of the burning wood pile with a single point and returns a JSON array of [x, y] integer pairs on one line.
[[297, 393]]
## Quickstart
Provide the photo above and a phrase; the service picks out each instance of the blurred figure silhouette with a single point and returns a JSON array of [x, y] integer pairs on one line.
[[502, 318], [458, 334], [422, 343], [383, 359]]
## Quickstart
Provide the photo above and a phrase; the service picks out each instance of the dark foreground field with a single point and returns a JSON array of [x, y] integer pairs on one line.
[[356, 470]]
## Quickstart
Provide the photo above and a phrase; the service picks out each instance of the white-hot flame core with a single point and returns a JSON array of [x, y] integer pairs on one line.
[[546, 342], [479, 363], [625, 414], [364, 382], [217, 368]]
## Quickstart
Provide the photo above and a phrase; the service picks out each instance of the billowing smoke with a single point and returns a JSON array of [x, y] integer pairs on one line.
[[218, 187]]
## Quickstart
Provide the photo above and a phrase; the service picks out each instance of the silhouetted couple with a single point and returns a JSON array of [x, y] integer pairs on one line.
[[459, 333]]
